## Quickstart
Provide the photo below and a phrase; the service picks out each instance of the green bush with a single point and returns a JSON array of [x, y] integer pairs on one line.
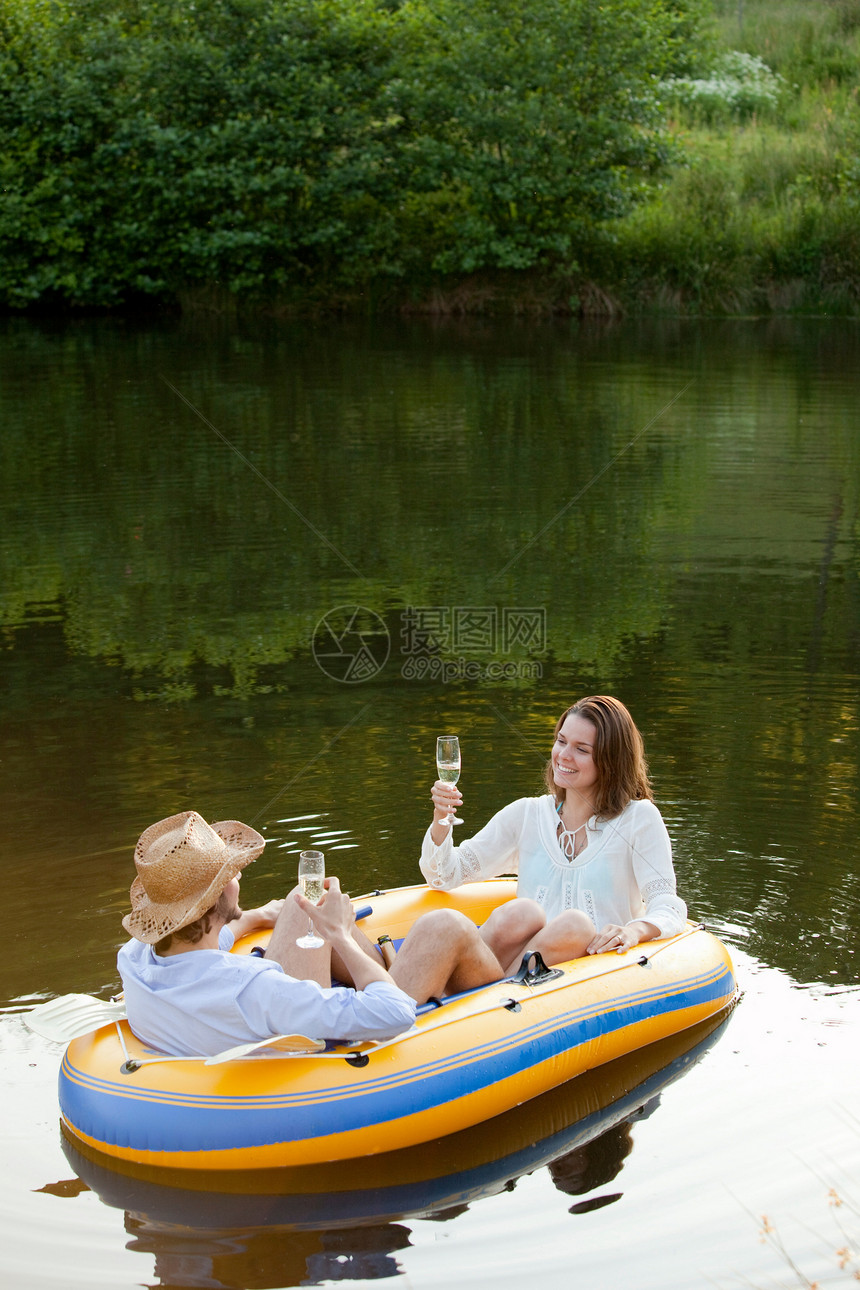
[[527, 125], [223, 142], [301, 148]]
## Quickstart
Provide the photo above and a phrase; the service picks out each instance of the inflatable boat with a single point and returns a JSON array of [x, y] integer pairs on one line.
[[446, 1174], [469, 1057]]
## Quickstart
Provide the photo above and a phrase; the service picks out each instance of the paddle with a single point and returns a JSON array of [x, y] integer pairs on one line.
[[280, 1043], [70, 1015]]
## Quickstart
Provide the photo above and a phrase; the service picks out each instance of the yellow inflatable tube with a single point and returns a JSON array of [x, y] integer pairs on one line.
[[474, 1057]]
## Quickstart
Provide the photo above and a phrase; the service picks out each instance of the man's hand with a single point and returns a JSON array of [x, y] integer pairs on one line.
[[333, 917], [254, 920], [268, 913]]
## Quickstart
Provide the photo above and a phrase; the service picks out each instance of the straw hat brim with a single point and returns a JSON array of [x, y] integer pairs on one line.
[[150, 921]]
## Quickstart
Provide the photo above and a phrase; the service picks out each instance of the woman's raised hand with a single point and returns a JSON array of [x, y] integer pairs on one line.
[[446, 799]]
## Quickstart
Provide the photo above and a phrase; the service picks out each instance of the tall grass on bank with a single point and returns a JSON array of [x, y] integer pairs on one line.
[[815, 41], [762, 212], [760, 218]]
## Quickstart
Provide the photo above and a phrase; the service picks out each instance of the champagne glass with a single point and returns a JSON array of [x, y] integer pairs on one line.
[[448, 766], [311, 875]]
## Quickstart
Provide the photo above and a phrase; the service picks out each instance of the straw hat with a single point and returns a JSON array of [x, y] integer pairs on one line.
[[183, 864]]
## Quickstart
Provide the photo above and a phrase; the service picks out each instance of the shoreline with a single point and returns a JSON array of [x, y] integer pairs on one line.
[[489, 296]]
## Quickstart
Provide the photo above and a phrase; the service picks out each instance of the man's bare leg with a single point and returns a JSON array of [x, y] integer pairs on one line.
[[443, 954]]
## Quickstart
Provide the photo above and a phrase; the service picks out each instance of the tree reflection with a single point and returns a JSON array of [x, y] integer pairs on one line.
[[703, 562]]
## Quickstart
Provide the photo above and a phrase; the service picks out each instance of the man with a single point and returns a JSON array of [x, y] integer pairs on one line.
[[186, 995]]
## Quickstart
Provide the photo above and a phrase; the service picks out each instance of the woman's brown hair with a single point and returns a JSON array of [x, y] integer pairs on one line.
[[619, 755]]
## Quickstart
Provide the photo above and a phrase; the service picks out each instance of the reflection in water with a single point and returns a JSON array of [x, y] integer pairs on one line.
[[206, 1259], [344, 1222], [597, 1162], [267, 1258], [700, 558], [65, 1187], [593, 1164]]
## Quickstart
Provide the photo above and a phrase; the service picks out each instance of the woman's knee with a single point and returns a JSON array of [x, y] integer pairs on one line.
[[573, 923], [567, 936], [520, 918], [510, 928]]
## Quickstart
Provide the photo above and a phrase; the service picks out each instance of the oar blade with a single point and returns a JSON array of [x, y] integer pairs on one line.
[[70, 1015], [280, 1043]]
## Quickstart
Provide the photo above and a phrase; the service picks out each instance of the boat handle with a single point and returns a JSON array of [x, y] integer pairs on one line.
[[533, 970], [357, 1059]]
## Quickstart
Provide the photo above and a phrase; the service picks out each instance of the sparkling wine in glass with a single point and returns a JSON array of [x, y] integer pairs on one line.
[[448, 766], [311, 875]]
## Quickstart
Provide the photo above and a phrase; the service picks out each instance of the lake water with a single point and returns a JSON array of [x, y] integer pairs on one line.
[[254, 568]]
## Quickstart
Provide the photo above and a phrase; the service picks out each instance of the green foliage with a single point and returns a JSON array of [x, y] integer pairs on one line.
[[316, 146], [326, 152], [187, 144], [738, 86], [759, 220], [525, 125], [764, 213]]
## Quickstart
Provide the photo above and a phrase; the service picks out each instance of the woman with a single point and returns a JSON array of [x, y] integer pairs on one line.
[[593, 857]]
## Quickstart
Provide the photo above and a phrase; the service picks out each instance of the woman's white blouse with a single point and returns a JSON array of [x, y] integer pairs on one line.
[[623, 874]]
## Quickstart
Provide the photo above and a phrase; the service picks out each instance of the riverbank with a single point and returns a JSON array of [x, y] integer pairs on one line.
[[340, 157], [759, 213]]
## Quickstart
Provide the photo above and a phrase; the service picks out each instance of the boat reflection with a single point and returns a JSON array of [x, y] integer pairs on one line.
[[341, 1222]]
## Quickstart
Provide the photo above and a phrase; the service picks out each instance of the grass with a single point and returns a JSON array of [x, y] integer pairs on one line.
[[838, 1261], [761, 212]]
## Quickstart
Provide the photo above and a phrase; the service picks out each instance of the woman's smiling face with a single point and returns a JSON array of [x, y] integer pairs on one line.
[[573, 754]]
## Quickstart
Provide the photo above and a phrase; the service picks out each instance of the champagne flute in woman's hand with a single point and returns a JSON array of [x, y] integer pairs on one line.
[[448, 766], [311, 875]]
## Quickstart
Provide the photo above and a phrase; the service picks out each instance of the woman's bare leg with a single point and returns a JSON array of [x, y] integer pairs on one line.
[[565, 937], [511, 928]]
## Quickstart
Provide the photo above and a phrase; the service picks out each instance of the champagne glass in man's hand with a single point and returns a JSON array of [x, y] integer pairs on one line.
[[448, 766], [311, 877]]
